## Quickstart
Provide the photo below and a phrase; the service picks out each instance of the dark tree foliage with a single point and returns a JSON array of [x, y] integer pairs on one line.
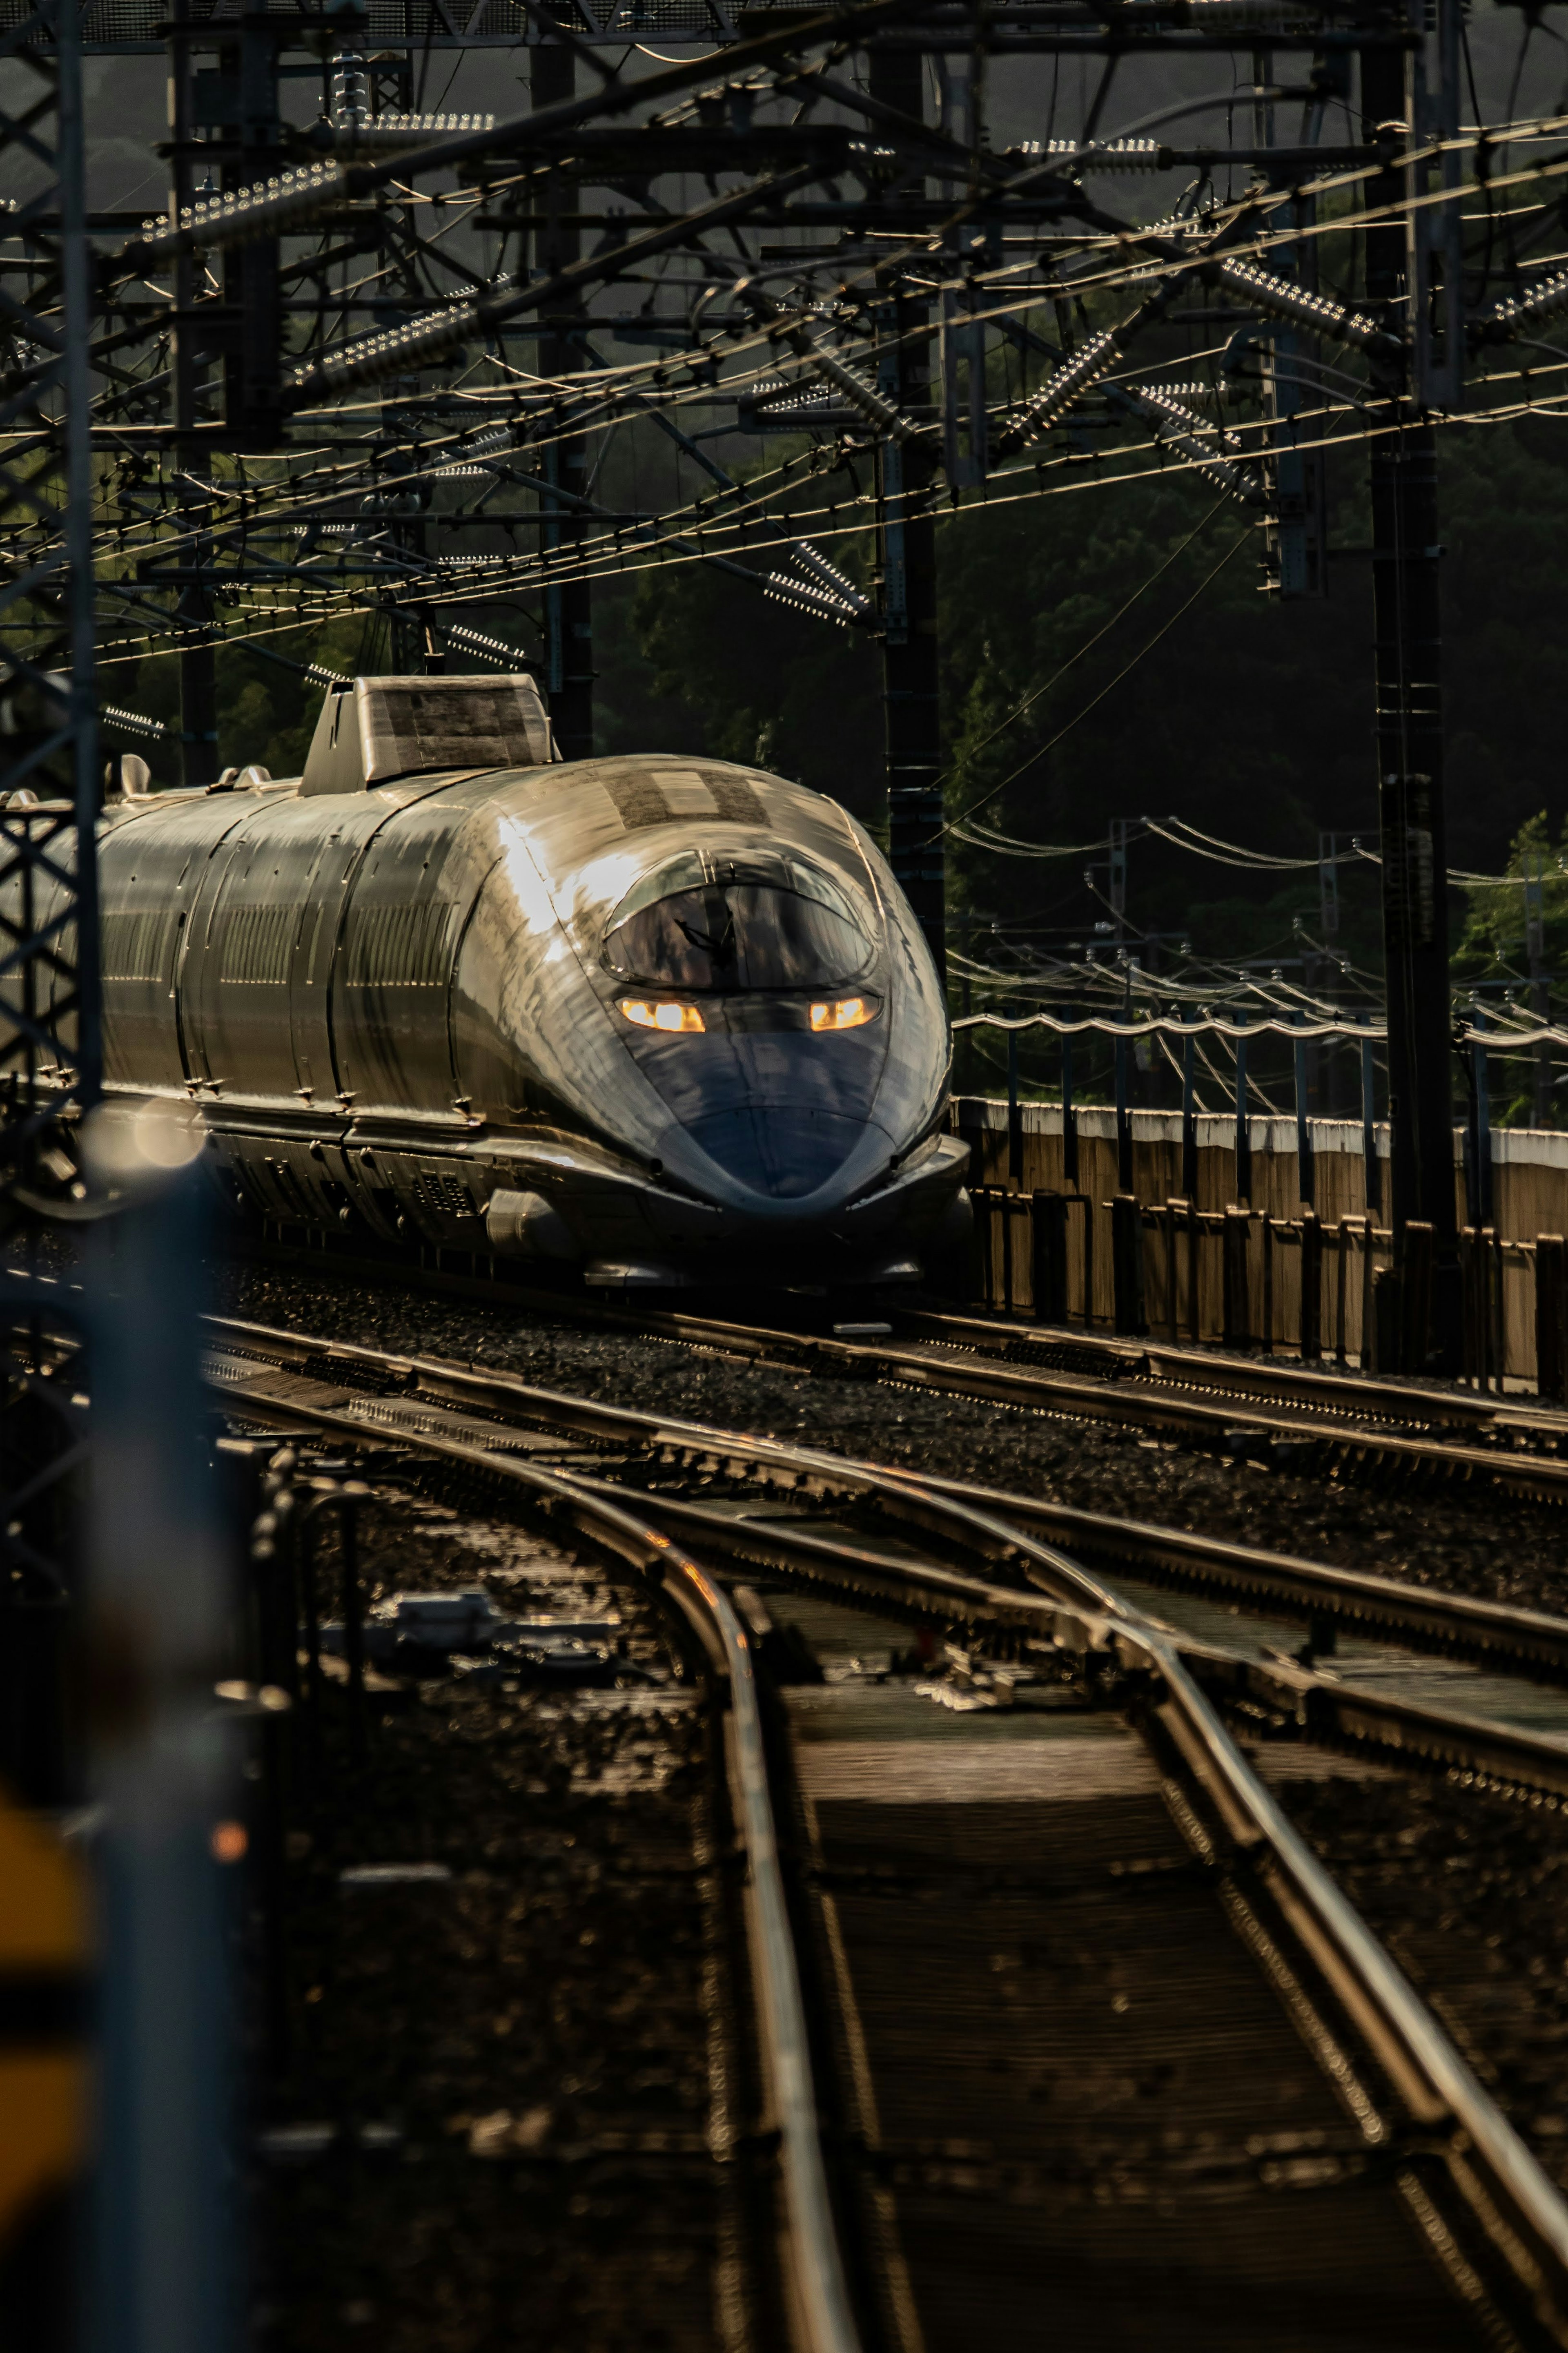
[[1250, 719], [717, 668]]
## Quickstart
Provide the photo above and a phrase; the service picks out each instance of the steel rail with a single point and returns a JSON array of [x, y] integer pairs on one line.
[[611, 1518], [1509, 2194], [1542, 1478], [1160, 1408], [1511, 1636], [1340, 1396], [1492, 1753], [1361, 1395]]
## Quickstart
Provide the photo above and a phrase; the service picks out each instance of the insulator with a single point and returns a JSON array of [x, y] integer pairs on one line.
[[1259, 15], [475, 642], [321, 677], [351, 91], [1099, 155], [828, 577], [1538, 302], [259, 210], [1314, 311], [1180, 428], [807, 599], [780, 396], [1071, 382], [394, 348], [409, 130], [861, 396], [130, 723]]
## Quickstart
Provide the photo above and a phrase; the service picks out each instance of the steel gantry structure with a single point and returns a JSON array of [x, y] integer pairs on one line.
[[370, 358]]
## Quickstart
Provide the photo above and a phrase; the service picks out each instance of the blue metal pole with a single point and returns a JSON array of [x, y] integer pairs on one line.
[[158, 1607]]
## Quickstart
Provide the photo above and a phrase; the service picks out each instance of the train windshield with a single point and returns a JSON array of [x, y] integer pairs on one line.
[[714, 923]]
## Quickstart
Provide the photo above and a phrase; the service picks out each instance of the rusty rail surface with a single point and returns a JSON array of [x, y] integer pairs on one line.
[[1064, 1609]]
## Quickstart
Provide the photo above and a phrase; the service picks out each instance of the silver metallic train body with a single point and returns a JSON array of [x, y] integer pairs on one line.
[[664, 1021]]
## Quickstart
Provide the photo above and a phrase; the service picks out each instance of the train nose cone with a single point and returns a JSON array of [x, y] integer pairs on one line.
[[783, 1151]]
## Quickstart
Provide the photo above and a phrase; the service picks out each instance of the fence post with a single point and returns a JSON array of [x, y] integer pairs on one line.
[[981, 1201], [1069, 1116], [1266, 1318], [1473, 1365], [1123, 1120], [1497, 1270], [1311, 1287], [1189, 1114], [1195, 1304], [1048, 1235], [972, 1133], [1385, 1322], [1368, 1302], [1306, 1170], [1242, 1122], [1172, 1212], [1005, 1211], [1015, 1118], [1372, 1168], [1551, 1362], [1414, 1294], [1088, 1258], [1127, 1264], [1235, 1310], [1480, 1138]]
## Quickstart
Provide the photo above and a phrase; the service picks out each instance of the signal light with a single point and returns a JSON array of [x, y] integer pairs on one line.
[[661, 1015], [848, 1013]]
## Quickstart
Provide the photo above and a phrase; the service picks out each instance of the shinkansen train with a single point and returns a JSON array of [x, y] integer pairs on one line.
[[661, 1020]]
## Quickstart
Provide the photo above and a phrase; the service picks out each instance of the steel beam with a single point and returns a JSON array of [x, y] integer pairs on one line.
[[906, 537], [1409, 740], [568, 603]]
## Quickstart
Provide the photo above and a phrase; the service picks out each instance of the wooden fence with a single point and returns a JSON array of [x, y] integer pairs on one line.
[[1062, 1239]]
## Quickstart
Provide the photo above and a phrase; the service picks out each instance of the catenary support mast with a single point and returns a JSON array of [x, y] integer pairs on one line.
[[1409, 739], [568, 603], [907, 550]]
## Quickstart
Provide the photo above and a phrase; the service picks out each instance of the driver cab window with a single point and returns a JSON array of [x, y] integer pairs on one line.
[[720, 925]]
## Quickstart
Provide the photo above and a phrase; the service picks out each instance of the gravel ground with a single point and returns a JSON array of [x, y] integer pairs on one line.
[[1468, 1890], [1468, 1541], [529, 2030], [514, 2057]]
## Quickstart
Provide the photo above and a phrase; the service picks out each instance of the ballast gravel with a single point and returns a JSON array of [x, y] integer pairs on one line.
[[1461, 1539], [491, 2129]]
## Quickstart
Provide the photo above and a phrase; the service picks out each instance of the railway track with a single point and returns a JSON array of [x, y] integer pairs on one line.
[[1491, 1707], [1269, 1381], [1285, 1414], [1059, 2013]]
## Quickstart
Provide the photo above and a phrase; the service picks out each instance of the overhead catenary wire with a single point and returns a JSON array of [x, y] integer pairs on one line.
[[324, 601]]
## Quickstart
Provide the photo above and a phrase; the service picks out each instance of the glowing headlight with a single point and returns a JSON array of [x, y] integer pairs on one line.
[[848, 1013], [661, 1015]]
